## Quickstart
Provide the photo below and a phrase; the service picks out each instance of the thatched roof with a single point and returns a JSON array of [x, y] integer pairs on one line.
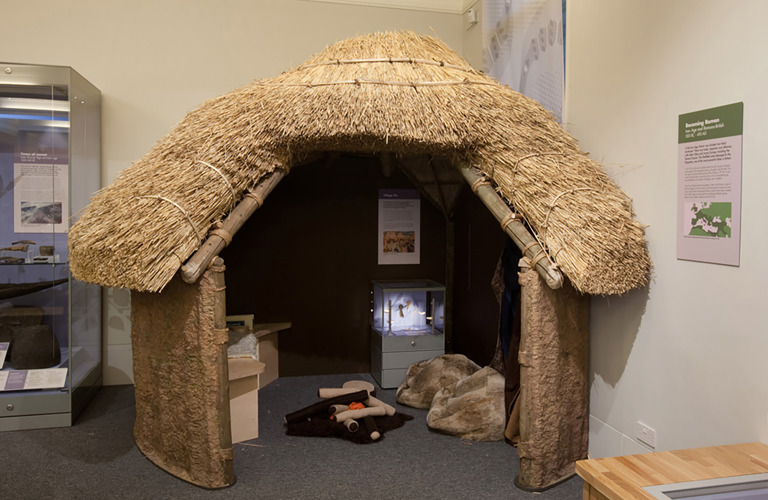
[[400, 93]]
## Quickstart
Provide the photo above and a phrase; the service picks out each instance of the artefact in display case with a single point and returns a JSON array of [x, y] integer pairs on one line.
[[407, 325], [50, 323]]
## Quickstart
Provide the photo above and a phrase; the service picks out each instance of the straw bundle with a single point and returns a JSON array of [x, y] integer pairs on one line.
[[388, 92]]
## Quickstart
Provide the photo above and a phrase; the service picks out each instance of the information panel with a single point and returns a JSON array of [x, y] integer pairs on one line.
[[399, 232], [709, 184], [24, 380]]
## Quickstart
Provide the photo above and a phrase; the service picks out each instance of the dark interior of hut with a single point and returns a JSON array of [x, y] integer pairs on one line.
[[308, 257]]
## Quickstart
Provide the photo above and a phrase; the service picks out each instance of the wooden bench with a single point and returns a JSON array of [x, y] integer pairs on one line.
[[247, 375], [266, 333], [244, 397], [620, 478]]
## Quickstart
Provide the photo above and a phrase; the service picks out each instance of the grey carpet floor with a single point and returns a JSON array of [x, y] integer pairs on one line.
[[97, 458]]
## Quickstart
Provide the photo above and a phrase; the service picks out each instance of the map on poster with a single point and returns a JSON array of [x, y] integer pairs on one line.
[[706, 218], [709, 184], [523, 48]]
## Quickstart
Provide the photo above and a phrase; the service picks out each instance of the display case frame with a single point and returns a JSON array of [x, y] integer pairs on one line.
[[50, 164]]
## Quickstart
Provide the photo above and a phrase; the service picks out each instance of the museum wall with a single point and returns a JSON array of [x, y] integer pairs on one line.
[[154, 61], [686, 355]]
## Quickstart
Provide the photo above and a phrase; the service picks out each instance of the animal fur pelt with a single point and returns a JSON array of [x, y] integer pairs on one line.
[[425, 378], [472, 408]]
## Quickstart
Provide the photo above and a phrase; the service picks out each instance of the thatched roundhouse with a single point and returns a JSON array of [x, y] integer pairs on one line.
[[396, 93]]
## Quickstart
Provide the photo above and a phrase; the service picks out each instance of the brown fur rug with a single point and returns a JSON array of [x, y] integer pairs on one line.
[[472, 408], [463, 399], [425, 378]]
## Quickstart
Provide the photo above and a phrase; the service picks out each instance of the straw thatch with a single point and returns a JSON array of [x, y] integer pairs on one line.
[[398, 93]]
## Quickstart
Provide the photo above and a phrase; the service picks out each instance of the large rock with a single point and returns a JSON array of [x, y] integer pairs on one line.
[[425, 378], [471, 408]]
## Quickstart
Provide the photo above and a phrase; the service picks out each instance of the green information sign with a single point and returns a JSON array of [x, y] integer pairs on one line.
[[713, 123], [709, 152]]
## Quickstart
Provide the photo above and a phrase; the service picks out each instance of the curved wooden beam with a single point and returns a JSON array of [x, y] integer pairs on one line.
[[220, 237], [512, 225]]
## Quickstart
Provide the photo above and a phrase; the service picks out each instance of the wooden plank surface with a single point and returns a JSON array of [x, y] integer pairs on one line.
[[244, 367], [267, 333], [261, 329], [592, 493], [621, 478]]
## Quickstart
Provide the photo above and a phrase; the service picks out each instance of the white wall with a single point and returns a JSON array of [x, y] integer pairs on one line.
[[687, 356], [156, 60]]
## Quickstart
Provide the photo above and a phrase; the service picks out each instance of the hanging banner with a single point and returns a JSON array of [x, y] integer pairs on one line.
[[399, 226], [523, 48], [709, 184]]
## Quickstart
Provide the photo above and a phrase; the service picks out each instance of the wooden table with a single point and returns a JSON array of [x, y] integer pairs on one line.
[[247, 376], [622, 478], [268, 349], [244, 397]]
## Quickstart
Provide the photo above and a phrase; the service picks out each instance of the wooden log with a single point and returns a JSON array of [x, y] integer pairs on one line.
[[220, 238], [512, 226], [216, 271]]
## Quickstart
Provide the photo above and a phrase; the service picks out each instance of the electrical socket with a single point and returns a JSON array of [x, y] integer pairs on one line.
[[645, 434]]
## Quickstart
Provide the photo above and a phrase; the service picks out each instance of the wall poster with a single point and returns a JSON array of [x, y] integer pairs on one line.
[[399, 226], [41, 192], [709, 184]]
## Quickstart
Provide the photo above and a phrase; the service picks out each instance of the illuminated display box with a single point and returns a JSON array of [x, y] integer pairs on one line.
[[407, 325]]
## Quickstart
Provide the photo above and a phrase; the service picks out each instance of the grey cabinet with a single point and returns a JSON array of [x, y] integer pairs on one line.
[[407, 326], [50, 323]]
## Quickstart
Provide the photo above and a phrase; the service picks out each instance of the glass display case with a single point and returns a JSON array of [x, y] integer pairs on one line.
[[50, 323], [407, 324], [413, 307]]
